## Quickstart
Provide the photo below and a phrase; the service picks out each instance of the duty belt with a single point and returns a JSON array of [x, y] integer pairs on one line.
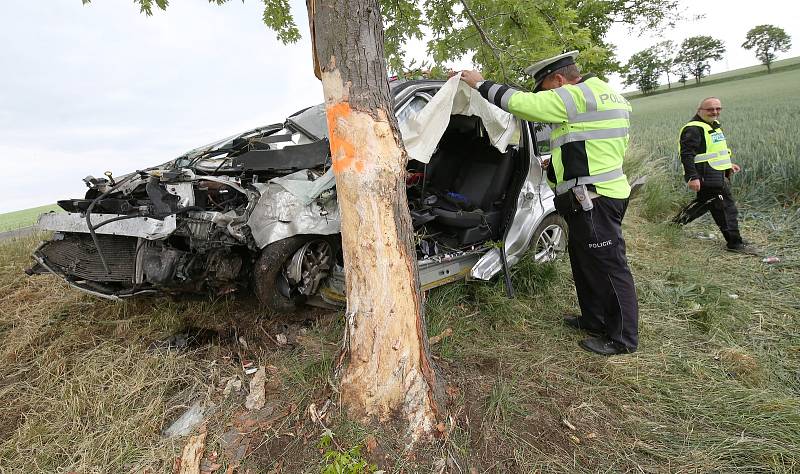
[[565, 186]]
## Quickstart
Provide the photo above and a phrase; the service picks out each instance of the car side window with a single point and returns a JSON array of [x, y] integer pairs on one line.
[[541, 133], [417, 103]]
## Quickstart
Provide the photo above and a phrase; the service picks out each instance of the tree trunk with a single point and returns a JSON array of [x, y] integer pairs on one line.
[[387, 373]]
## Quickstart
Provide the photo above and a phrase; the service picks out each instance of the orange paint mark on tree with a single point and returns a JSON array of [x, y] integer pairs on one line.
[[342, 151]]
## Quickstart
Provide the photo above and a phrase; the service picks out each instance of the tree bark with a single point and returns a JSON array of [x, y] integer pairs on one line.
[[386, 370]]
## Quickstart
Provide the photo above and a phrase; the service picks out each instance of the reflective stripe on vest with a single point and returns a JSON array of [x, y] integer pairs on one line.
[[602, 117], [715, 159], [591, 114], [722, 162], [709, 156], [717, 154], [565, 186]]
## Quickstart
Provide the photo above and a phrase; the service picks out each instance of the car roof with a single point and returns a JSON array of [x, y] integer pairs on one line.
[[398, 86]]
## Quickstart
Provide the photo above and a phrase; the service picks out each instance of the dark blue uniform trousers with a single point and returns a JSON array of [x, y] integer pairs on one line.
[[603, 280]]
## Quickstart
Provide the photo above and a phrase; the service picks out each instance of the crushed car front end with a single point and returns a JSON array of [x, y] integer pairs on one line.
[[197, 224], [259, 210], [158, 230]]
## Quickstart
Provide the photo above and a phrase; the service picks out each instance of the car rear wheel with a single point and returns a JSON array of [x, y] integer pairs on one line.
[[289, 271], [550, 239]]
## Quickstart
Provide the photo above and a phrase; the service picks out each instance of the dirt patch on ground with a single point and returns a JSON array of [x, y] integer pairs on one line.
[[492, 426]]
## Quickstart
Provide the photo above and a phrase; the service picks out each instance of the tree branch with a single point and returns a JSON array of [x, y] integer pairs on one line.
[[485, 39]]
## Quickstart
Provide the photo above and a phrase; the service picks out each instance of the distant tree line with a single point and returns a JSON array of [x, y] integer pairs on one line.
[[694, 57]]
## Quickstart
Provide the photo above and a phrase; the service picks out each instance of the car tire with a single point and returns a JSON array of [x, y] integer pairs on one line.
[[270, 284], [549, 238]]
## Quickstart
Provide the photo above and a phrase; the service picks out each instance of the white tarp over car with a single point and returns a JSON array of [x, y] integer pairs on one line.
[[422, 132]]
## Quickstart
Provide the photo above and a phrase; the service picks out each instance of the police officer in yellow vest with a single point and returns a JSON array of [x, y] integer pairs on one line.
[[707, 168], [587, 144]]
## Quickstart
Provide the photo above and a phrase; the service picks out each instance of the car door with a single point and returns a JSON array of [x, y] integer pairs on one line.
[[534, 203]]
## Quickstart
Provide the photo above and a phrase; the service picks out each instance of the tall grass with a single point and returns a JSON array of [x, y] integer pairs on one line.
[[760, 119], [713, 388], [663, 191]]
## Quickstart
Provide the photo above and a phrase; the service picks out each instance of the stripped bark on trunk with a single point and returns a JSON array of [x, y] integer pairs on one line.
[[387, 372]]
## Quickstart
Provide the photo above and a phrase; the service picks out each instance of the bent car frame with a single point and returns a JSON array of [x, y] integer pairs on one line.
[[258, 211]]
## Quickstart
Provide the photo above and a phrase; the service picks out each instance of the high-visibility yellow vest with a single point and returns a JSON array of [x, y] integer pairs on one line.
[[590, 137], [717, 154]]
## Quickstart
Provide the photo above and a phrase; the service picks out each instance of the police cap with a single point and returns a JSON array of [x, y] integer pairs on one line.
[[545, 67]]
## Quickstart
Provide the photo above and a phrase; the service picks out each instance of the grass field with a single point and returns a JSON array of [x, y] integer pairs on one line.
[[18, 219], [782, 65], [715, 386], [760, 68]]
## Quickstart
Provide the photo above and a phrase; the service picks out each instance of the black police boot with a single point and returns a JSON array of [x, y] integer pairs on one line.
[[733, 238], [582, 324], [743, 248], [737, 245], [603, 345]]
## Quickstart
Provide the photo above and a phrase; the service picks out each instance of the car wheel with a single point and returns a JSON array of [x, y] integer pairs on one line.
[[289, 271], [550, 239]]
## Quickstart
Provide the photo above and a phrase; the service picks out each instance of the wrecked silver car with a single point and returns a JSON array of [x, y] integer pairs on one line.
[[258, 211]]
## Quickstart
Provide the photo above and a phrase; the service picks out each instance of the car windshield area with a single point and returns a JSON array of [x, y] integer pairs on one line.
[[408, 110], [240, 153], [302, 128]]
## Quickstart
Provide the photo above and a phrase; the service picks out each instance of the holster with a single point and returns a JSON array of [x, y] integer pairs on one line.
[[578, 199], [583, 198]]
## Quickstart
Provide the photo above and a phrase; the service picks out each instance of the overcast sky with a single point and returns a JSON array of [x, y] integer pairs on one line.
[[728, 21], [85, 89]]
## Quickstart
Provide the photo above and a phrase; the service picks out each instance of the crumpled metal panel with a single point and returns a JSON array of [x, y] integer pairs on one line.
[[143, 227], [298, 184], [279, 214], [313, 119], [534, 203], [184, 190]]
